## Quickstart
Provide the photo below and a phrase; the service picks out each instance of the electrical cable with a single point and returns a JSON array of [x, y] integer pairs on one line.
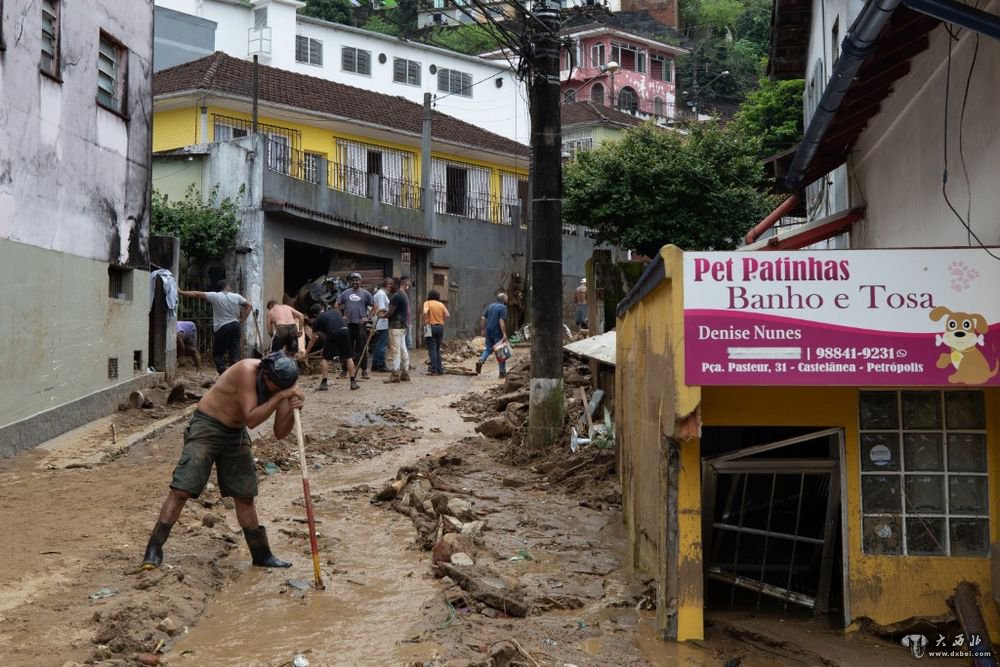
[[944, 175]]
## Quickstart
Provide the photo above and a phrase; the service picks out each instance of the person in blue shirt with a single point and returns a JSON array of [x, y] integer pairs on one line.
[[493, 325]]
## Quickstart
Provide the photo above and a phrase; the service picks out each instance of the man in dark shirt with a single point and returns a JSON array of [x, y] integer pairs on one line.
[[337, 343], [398, 314], [493, 325], [355, 303]]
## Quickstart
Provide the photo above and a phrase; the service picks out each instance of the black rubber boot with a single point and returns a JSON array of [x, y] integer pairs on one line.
[[354, 384], [154, 548], [260, 550]]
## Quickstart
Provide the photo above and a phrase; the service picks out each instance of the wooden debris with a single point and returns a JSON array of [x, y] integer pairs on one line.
[[488, 588]]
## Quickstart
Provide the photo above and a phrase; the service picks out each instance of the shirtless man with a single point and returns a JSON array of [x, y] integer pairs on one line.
[[284, 324], [580, 299], [244, 396]]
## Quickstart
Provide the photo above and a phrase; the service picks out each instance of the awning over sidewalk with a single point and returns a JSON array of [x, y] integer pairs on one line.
[[600, 348], [385, 232]]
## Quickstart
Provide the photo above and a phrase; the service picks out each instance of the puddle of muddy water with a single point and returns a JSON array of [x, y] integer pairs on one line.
[[372, 601]]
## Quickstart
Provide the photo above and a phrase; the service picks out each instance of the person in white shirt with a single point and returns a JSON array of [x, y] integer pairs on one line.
[[381, 341], [229, 312]]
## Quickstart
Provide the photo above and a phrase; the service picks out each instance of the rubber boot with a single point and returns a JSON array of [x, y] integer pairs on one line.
[[154, 548], [354, 384], [260, 550]]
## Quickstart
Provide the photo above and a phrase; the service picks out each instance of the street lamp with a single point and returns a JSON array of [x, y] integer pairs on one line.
[[697, 90], [609, 68]]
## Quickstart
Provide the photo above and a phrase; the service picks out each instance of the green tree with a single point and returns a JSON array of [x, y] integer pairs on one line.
[[206, 229], [336, 11], [699, 191], [470, 38], [773, 112]]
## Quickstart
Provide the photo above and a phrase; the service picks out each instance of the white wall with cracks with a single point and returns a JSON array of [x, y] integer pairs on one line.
[[74, 212], [74, 176]]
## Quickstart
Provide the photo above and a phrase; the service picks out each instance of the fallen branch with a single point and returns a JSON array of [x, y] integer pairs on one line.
[[520, 649]]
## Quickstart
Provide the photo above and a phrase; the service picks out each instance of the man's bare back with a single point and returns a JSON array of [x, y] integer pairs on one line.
[[233, 400], [280, 314], [580, 294]]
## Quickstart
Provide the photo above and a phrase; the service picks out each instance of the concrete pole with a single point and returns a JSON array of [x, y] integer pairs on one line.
[[546, 408], [426, 192]]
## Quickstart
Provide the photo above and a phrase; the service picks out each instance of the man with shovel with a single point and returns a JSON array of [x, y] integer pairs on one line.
[[244, 397]]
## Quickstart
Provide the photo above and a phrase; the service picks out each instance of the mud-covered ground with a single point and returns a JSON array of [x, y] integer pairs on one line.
[[549, 582]]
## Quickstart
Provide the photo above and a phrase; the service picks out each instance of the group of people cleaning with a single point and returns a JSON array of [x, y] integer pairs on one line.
[[250, 391]]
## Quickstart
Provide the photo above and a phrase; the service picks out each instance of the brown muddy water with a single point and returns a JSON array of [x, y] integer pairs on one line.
[[376, 587]]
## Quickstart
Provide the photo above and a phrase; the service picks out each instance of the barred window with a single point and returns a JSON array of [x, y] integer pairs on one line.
[[453, 81], [355, 60], [924, 480], [406, 71]]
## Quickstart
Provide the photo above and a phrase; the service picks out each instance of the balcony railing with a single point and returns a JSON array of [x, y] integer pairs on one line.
[[401, 192]]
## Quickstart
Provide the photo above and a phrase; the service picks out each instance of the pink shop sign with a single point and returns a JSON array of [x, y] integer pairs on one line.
[[850, 318]]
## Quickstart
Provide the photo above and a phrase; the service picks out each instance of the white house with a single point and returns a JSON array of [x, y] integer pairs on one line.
[[901, 136], [483, 92], [75, 117]]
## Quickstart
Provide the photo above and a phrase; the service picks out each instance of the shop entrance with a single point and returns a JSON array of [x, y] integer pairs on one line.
[[773, 519], [306, 262]]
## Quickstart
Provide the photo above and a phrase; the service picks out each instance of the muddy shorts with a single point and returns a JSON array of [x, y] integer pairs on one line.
[[337, 345], [286, 337], [208, 441]]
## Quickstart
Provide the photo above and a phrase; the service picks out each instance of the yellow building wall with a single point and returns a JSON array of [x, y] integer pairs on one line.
[[886, 589], [179, 127], [650, 401], [175, 128]]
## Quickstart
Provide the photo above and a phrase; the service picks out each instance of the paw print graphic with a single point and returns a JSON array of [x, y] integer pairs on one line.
[[961, 276]]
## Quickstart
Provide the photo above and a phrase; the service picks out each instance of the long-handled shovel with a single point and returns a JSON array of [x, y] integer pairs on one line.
[[364, 350], [318, 582]]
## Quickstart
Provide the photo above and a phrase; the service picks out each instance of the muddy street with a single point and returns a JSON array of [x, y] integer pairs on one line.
[[545, 580], [77, 512]]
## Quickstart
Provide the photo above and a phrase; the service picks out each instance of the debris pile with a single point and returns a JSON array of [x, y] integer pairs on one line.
[[368, 436]]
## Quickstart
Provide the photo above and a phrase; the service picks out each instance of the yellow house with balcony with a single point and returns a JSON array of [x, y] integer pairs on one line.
[[335, 180]]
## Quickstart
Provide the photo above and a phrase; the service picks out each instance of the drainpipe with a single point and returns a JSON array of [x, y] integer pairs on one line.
[[777, 214], [857, 45]]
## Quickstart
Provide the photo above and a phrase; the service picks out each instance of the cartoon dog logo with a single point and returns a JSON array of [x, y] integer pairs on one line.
[[963, 332], [916, 643]]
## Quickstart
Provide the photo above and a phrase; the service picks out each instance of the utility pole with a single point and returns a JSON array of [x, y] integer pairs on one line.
[[546, 408], [426, 191]]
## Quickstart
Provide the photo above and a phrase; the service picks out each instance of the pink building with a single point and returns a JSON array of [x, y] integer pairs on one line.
[[643, 81]]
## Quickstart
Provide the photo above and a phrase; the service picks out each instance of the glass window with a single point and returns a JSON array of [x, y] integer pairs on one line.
[[406, 71], [455, 82], [308, 50], [924, 481], [355, 60], [112, 74], [50, 37], [597, 94]]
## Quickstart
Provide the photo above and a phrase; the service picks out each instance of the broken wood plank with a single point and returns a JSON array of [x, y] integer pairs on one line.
[[965, 602], [488, 588]]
